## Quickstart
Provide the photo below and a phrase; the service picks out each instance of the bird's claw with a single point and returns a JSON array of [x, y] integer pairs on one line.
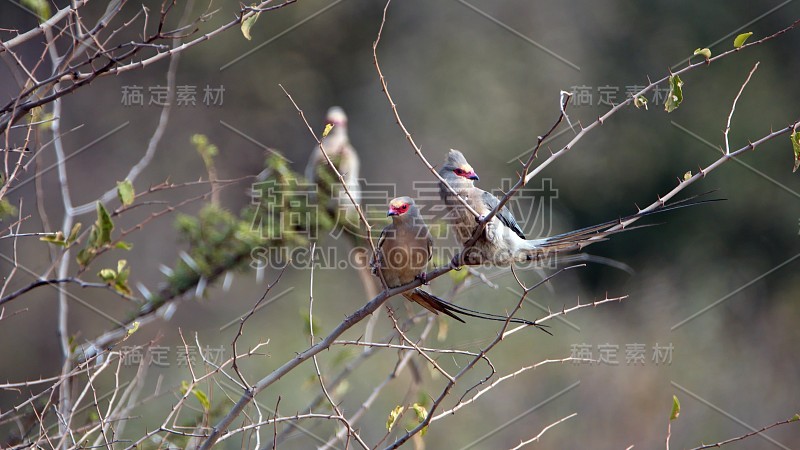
[[423, 277]]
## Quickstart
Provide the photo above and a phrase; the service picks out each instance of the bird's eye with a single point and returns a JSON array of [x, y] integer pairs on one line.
[[404, 207], [459, 172]]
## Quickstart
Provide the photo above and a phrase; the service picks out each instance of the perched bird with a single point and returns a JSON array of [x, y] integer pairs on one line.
[[403, 252], [502, 241], [343, 156]]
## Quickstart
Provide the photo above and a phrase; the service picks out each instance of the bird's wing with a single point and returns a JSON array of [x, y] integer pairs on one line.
[[504, 214], [430, 246], [377, 258], [311, 167]]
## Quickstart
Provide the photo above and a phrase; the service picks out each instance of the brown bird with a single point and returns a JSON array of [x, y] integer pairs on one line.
[[343, 156], [403, 252], [502, 241]]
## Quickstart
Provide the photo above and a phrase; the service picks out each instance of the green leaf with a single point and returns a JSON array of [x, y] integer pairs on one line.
[[640, 101], [795, 138], [122, 245], [422, 414], [795, 418], [122, 288], [121, 280], [676, 408], [85, 256], [307, 324], [73, 234], [57, 239], [107, 275], [40, 7], [73, 345], [203, 146], [125, 192], [207, 151], [327, 130], [705, 52], [47, 121], [675, 96], [247, 24], [6, 208], [202, 398], [393, 415], [687, 175], [740, 39], [104, 226], [134, 326]]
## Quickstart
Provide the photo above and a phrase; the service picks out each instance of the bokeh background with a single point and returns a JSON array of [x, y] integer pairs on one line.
[[484, 77]]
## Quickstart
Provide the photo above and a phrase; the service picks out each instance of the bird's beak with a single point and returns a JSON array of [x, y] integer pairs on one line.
[[391, 212], [473, 176]]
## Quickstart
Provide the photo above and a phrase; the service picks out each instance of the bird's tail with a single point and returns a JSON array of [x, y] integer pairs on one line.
[[540, 249], [436, 305]]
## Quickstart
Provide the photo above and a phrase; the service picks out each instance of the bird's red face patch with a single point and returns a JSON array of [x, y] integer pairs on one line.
[[397, 208], [466, 171], [335, 122]]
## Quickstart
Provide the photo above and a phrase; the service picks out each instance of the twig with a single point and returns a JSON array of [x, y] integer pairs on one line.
[[51, 282], [733, 107], [484, 221], [745, 436], [566, 311], [600, 120], [462, 403], [419, 350], [399, 121], [373, 396], [544, 430], [446, 390], [242, 321], [333, 404], [333, 167]]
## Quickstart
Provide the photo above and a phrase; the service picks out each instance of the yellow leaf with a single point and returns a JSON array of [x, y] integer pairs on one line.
[[393, 415], [247, 24], [676, 408], [133, 328]]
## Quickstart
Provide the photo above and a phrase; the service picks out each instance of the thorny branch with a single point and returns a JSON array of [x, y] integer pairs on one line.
[[375, 303], [112, 60]]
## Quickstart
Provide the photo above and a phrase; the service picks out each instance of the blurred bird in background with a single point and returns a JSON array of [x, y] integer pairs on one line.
[[342, 154]]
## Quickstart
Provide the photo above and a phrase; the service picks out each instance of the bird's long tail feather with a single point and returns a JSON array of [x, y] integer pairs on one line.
[[578, 239], [436, 305]]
